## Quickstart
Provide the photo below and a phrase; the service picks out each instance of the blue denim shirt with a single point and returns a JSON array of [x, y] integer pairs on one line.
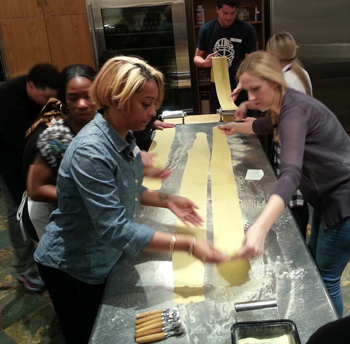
[[99, 188]]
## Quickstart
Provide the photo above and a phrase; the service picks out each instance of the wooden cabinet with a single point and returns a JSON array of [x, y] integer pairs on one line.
[[20, 8], [39, 31], [61, 7], [247, 11]]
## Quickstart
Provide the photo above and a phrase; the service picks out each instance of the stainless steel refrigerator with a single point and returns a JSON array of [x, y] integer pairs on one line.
[[321, 29], [155, 30]]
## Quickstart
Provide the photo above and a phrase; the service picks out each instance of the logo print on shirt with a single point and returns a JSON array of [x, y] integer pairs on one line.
[[223, 47]]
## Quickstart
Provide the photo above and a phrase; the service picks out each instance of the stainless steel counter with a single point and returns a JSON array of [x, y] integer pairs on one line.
[[284, 272]]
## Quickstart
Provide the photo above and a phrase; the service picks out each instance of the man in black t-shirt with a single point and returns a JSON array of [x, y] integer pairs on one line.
[[21, 100], [225, 36]]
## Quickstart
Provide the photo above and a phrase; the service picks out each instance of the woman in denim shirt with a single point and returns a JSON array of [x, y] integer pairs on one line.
[[99, 193]]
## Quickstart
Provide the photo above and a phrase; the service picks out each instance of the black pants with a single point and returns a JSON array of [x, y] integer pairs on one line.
[[76, 303], [335, 332]]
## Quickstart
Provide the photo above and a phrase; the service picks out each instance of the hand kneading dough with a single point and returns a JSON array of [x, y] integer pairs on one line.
[[227, 219], [188, 272], [161, 145]]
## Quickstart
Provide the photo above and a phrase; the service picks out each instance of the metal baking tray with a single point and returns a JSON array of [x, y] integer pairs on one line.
[[265, 330]]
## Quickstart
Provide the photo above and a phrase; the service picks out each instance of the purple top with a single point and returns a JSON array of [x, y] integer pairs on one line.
[[315, 152]]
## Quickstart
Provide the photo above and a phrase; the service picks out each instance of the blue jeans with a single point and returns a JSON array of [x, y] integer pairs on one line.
[[331, 251]]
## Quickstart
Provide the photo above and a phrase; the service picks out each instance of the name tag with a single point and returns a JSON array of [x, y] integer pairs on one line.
[[237, 40], [136, 151]]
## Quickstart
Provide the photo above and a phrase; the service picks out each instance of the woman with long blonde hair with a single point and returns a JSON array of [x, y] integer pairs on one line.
[[283, 46], [313, 146]]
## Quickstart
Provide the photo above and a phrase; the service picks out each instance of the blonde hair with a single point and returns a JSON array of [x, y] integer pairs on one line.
[[120, 78], [264, 66], [284, 47]]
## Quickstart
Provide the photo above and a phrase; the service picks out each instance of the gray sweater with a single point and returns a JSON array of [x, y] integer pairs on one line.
[[315, 155]]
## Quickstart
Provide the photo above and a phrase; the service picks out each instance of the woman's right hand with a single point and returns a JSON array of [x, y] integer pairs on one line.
[[253, 244], [147, 158], [205, 252], [229, 128]]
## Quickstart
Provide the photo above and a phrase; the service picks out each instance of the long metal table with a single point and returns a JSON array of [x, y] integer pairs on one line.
[[284, 272]]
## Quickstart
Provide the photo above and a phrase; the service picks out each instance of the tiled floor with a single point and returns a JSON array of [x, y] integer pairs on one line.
[[29, 318]]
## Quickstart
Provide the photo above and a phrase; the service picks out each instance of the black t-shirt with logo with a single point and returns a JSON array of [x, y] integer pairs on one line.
[[233, 42]]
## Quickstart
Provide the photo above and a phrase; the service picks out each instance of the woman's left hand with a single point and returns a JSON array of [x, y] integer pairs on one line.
[[154, 172], [229, 128], [184, 209]]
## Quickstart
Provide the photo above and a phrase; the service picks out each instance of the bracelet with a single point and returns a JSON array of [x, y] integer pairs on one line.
[[193, 244], [172, 244]]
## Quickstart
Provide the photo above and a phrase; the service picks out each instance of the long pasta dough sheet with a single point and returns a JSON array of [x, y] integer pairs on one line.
[[222, 83], [161, 145], [227, 218], [188, 272]]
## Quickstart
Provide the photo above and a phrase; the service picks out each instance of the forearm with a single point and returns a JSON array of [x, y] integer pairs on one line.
[[40, 183], [164, 242], [44, 193], [242, 127], [249, 105], [253, 245], [154, 199], [269, 215], [199, 61]]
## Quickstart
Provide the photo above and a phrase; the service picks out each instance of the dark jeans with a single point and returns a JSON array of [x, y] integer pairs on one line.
[[331, 251], [76, 303]]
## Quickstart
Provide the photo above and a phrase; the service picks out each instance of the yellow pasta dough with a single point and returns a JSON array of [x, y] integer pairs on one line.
[[160, 146], [227, 219], [188, 272], [222, 83]]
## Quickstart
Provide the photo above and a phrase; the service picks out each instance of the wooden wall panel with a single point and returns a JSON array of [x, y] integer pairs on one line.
[[24, 43], [69, 40], [20, 8], [54, 7]]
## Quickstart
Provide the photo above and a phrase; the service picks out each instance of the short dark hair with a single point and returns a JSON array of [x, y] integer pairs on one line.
[[70, 72], [44, 75], [231, 3]]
